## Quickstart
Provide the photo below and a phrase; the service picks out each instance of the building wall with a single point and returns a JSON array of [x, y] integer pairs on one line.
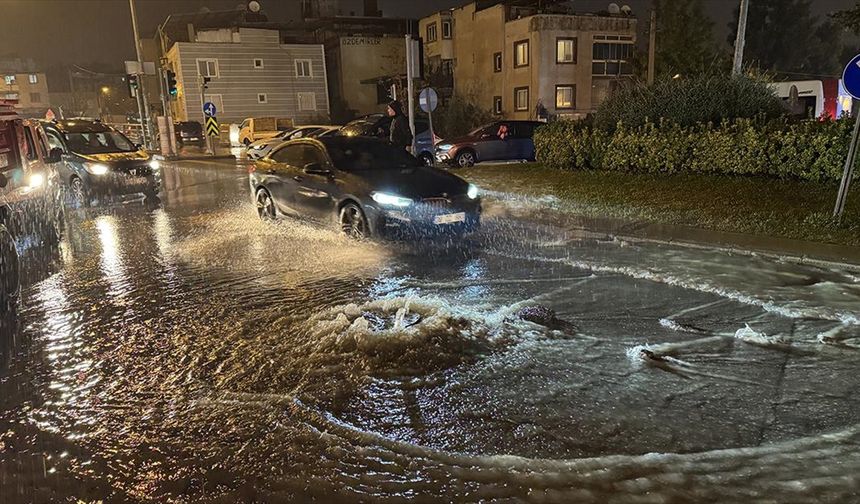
[[32, 98], [442, 48], [363, 59], [479, 34], [238, 83]]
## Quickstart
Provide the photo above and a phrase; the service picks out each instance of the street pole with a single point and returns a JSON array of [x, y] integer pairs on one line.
[[410, 86], [652, 47], [143, 107], [847, 172], [740, 41], [210, 149]]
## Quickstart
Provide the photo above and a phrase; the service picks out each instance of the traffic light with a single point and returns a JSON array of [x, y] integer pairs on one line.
[[133, 85], [171, 84], [206, 81]]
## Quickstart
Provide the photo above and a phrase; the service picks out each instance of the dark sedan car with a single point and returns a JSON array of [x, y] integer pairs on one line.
[[366, 186], [498, 141], [189, 133], [99, 161]]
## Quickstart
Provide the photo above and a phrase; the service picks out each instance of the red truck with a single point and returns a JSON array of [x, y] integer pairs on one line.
[[31, 195]]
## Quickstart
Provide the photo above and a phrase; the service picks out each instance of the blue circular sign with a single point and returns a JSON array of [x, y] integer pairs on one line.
[[210, 110], [851, 77]]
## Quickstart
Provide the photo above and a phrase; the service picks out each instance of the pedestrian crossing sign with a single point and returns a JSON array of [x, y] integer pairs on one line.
[[212, 128]]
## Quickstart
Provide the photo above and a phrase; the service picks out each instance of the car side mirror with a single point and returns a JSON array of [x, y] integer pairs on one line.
[[55, 155], [316, 169]]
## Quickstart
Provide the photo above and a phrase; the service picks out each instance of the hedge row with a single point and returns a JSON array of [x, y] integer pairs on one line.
[[813, 151]]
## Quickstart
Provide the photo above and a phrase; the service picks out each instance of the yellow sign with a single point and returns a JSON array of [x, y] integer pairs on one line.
[[212, 128]]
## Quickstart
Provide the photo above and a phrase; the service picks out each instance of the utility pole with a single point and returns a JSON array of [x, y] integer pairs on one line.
[[740, 41], [143, 108], [652, 47], [410, 84]]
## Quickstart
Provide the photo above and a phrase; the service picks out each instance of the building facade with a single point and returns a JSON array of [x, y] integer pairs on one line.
[[508, 58], [24, 83], [252, 74]]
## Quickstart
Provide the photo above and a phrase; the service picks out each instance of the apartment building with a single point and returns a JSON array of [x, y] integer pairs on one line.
[[252, 73], [22, 82], [508, 56]]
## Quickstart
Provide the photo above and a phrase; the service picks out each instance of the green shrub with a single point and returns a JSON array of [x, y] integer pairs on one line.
[[689, 101], [813, 151], [458, 117]]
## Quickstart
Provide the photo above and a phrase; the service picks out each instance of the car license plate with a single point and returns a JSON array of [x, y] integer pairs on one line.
[[450, 218], [135, 181]]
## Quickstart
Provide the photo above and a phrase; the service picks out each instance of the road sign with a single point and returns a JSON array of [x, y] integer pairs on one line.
[[851, 77], [209, 109], [212, 128], [428, 100]]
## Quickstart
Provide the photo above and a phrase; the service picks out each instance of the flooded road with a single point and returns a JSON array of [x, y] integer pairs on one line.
[[187, 352]]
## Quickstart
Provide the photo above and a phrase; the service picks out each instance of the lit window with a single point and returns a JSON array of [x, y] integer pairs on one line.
[[10, 80], [303, 68], [565, 50], [307, 101], [497, 105], [431, 32], [565, 97], [497, 62], [521, 98], [447, 31], [207, 67], [521, 53], [34, 79], [258, 63], [262, 98]]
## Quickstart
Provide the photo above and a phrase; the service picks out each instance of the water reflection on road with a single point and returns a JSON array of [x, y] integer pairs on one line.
[[189, 352]]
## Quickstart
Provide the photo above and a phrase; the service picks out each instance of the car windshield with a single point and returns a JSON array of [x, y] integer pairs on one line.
[[360, 127], [101, 142], [351, 155]]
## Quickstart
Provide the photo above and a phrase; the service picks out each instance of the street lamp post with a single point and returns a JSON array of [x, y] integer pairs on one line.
[[142, 105], [741, 39]]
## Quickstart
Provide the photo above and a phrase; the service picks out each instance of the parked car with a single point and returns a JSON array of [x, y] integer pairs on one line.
[[31, 198], [259, 128], [261, 148], [498, 141], [99, 161], [378, 126], [189, 133], [325, 131], [365, 186]]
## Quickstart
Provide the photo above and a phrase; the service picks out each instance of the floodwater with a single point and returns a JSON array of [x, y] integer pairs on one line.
[[187, 352]]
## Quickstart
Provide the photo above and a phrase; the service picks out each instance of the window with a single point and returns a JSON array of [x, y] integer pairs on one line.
[[565, 51], [447, 31], [521, 53], [565, 96], [207, 67], [54, 140], [611, 55], [11, 96], [258, 63], [262, 98], [291, 155], [497, 62], [448, 67], [30, 144], [34, 79], [10, 80], [521, 99], [497, 105], [36, 97], [431, 32], [303, 68], [307, 101]]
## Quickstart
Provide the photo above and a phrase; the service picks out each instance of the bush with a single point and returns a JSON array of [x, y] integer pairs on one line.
[[813, 151], [458, 117], [689, 101]]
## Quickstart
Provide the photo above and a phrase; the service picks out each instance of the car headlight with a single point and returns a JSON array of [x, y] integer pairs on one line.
[[444, 147], [155, 164], [96, 168], [472, 192], [36, 180], [387, 199]]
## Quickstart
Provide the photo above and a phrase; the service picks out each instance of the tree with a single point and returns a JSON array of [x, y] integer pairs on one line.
[[685, 42], [849, 18], [783, 37]]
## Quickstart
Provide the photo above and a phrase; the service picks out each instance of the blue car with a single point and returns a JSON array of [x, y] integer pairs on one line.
[[377, 126], [100, 162]]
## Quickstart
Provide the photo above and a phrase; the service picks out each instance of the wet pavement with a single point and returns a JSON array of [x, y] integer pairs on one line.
[[187, 352]]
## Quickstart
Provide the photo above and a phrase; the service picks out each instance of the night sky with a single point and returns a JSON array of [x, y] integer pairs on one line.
[[85, 31]]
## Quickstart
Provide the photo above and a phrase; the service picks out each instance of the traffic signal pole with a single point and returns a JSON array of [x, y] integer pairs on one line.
[[142, 105]]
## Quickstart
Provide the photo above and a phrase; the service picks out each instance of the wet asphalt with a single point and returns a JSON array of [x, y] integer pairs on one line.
[[187, 352]]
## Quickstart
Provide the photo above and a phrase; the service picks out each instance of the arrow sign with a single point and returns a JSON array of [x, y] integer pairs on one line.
[[209, 109], [212, 128]]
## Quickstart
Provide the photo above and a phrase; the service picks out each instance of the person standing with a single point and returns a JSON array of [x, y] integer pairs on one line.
[[399, 134], [541, 113]]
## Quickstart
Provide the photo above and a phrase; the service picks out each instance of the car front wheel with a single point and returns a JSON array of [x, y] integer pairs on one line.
[[465, 159], [78, 190], [353, 222], [265, 205]]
